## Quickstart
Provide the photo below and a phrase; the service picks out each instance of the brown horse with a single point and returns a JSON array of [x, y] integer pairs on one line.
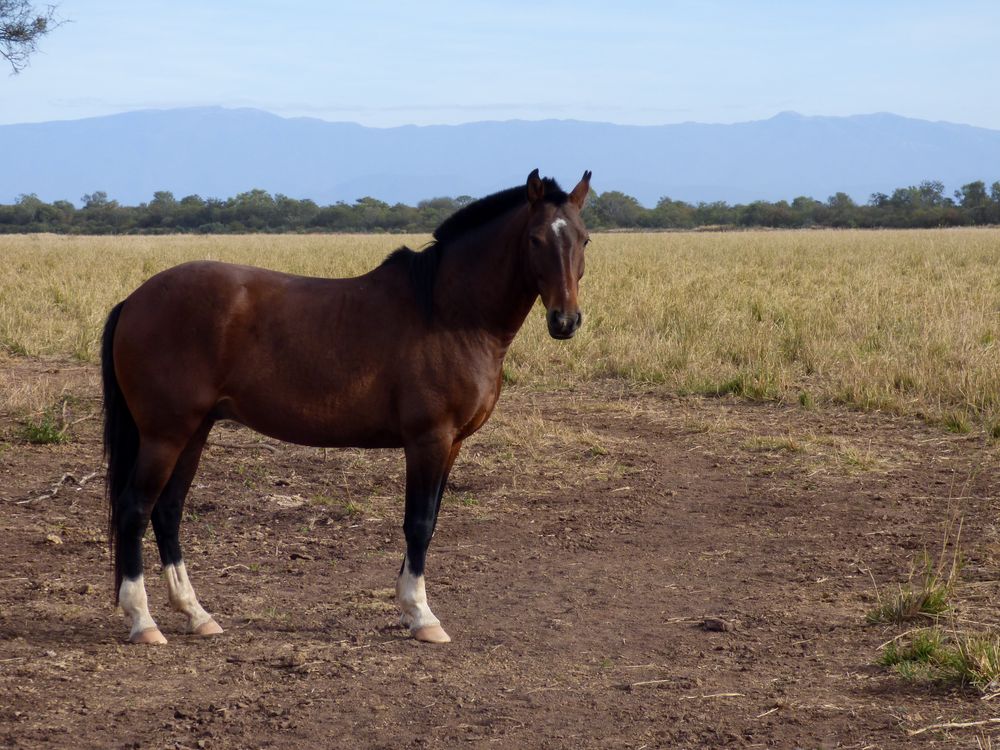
[[406, 356]]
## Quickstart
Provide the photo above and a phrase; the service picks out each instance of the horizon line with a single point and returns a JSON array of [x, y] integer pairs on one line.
[[788, 114]]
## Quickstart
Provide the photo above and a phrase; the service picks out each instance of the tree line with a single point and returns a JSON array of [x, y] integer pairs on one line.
[[920, 206]]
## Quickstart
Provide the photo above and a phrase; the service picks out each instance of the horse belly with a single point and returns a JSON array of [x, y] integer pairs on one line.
[[325, 416], [320, 433]]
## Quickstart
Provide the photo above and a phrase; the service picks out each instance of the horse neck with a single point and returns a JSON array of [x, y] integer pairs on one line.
[[482, 283]]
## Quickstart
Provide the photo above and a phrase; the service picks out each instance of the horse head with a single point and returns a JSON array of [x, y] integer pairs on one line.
[[556, 237]]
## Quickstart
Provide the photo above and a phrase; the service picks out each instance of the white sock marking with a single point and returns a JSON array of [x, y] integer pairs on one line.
[[132, 598], [182, 596], [411, 595]]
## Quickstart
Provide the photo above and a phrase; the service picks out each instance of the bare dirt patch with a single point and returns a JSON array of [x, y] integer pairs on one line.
[[618, 569]]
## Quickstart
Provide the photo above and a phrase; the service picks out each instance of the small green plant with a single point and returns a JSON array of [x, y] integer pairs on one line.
[[923, 647], [251, 475], [596, 450], [46, 430], [352, 509], [979, 659], [994, 430], [957, 422], [469, 501], [934, 655], [806, 400]]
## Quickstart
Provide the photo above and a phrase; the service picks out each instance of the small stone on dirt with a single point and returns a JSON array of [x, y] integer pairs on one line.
[[53, 539], [718, 625]]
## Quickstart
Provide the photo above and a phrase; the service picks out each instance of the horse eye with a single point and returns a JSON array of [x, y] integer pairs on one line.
[[586, 242]]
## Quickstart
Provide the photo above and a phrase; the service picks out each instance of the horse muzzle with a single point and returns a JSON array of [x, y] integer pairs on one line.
[[563, 325]]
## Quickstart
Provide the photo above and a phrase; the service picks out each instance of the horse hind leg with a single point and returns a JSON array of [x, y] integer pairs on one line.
[[166, 516], [153, 466]]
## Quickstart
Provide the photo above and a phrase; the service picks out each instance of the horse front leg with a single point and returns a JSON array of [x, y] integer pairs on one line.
[[428, 463]]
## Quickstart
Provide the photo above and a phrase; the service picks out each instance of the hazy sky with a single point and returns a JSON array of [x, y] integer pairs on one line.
[[392, 63]]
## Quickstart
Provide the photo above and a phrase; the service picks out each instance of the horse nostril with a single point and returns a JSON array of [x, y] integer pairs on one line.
[[579, 320]]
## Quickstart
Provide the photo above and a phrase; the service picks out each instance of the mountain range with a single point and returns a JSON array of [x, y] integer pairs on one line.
[[218, 152]]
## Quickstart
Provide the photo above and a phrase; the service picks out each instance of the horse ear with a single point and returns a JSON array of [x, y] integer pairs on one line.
[[581, 191], [536, 188]]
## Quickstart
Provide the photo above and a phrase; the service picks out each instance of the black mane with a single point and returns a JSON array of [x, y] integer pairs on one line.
[[423, 265]]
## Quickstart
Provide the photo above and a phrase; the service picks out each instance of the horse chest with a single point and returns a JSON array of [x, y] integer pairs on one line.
[[481, 411]]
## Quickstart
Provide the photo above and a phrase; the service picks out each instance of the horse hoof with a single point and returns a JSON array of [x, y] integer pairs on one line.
[[431, 634], [210, 627], [148, 637]]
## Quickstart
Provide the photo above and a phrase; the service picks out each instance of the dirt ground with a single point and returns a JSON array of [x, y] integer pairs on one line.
[[586, 537]]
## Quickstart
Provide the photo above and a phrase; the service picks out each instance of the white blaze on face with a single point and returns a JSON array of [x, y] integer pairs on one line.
[[132, 598], [182, 596], [411, 596], [564, 248]]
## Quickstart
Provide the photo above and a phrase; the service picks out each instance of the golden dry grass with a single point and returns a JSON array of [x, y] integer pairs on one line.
[[907, 321]]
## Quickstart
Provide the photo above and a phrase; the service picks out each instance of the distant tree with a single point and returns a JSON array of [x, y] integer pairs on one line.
[[21, 26], [97, 199], [671, 214], [976, 202], [160, 211], [615, 209], [714, 213], [371, 213], [931, 193], [842, 210]]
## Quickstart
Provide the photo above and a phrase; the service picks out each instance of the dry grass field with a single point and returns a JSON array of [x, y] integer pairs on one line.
[[902, 321], [752, 504]]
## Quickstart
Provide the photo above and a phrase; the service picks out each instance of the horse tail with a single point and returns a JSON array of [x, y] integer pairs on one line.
[[121, 438]]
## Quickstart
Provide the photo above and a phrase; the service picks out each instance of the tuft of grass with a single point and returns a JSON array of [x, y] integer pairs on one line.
[[948, 657], [754, 386], [771, 443], [856, 460], [910, 604], [923, 647], [957, 422], [928, 590], [806, 401]]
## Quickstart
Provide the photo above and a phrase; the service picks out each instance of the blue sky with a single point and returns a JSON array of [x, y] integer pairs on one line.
[[385, 64]]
